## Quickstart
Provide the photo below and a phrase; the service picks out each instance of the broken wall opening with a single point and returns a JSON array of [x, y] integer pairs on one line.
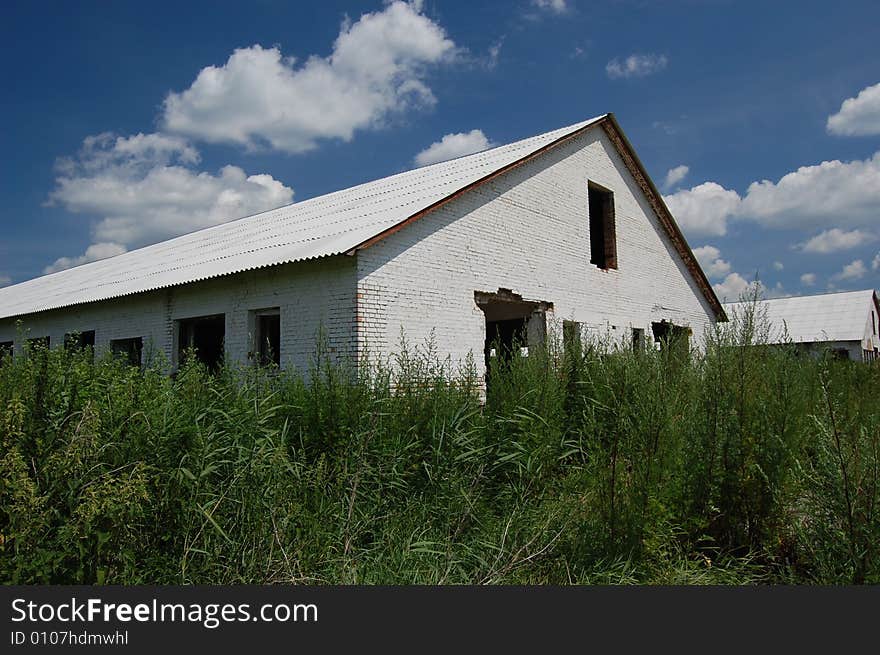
[[671, 337], [513, 325], [204, 336]]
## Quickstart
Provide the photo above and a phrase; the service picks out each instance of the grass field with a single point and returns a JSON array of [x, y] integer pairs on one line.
[[738, 464]]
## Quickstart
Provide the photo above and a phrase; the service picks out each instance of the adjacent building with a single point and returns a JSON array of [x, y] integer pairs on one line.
[[847, 323]]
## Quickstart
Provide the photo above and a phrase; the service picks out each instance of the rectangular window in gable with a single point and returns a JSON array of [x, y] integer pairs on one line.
[[603, 236]]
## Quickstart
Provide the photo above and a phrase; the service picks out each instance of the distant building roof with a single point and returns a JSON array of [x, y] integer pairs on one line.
[[332, 224], [825, 317]]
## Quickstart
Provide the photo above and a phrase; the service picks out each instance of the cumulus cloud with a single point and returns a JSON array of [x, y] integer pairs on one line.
[[554, 6], [711, 262], [778, 266], [144, 189], [846, 192], [260, 97], [635, 66], [835, 240], [808, 279], [93, 253], [853, 271], [703, 209], [875, 264], [733, 287], [675, 175], [452, 146], [5, 280], [859, 116]]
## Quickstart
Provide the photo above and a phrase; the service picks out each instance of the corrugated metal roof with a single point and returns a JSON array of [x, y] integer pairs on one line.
[[327, 225], [825, 317]]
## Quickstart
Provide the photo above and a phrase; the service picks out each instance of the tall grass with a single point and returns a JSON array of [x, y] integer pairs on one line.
[[741, 463]]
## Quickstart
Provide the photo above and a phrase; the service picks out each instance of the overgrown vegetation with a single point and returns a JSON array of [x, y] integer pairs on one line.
[[740, 464]]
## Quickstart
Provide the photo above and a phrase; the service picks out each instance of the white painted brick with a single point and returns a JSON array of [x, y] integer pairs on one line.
[[528, 231]]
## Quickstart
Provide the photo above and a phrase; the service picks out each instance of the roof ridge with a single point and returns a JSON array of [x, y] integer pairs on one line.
[[352, 211], [802, 297]]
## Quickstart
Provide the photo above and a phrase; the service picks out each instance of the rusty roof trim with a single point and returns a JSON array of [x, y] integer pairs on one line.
[[655, 199]]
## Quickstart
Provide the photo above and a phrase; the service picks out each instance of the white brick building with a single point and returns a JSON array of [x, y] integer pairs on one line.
[[562, 227], [846, 322]]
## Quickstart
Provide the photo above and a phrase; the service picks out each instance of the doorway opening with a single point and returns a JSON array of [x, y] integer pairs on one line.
[[513, 325], [672, 338]]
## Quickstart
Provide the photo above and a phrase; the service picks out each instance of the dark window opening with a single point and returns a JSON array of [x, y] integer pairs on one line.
[[203, 335], [840, 353], [638, 340], [79, 340], [571, 338], [673, 338], [268, 328], [38, 343], [6, 348], [130, 350], [603, 237]]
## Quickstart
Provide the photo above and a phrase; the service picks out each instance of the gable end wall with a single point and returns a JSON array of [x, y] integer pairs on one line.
[[526, 230]]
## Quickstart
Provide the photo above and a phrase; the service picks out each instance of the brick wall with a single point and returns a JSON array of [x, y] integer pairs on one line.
[[311, 295], [528, 231]]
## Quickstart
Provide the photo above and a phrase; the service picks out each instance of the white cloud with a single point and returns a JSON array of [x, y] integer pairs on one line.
[[5, 280], [875, 264], [259, 96], [703, 209], [494, 53], [93, 253], [733, 287], [808, 279], [847, 193], [835, 240], [452, 146], [555, 6], [859, 116], [142, 190], [675, 175], [852, 271], [778, 266], [711, 262], [636, 66]]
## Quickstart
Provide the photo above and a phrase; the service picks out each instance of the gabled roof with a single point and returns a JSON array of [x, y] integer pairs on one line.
[[333, 224], [825, 317]]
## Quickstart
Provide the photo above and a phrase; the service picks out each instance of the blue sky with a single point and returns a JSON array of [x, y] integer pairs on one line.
[[760, 121]]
